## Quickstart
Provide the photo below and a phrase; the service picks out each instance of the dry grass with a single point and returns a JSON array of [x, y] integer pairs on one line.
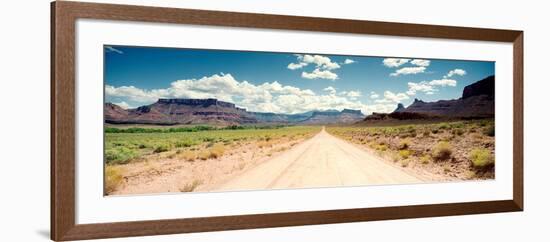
[[189, 187], [442, 151], [481, 158], [405, 154], [217, 151], [203, 155], [189, 155], [425, 159], [113, 178], [404, 144]]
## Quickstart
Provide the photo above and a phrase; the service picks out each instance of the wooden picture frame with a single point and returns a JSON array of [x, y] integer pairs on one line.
[[63, 17]]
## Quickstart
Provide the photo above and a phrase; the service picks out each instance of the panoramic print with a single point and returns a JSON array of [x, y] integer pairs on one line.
[[193, 120]]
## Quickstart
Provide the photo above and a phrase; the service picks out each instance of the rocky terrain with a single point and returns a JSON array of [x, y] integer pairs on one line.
[[215, 112], [477, 101]]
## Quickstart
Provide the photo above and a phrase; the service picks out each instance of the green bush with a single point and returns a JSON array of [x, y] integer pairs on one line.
[[481, 158], [489, 131], [161, 148], [442, 151], [119, 155], [458, 131], [404, 144], [404, 154]]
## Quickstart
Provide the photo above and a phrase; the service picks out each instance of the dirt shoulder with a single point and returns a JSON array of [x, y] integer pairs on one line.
[[174, 173]]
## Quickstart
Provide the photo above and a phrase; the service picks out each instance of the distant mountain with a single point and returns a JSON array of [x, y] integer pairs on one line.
[[399, 108], [346, 116], [181, 111], [477, 101], [215, 112]]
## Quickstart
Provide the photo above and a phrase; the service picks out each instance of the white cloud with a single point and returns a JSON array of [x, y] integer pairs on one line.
[[390, 97], [458, 72], [353, 94], [428, 87], [123, 105], [443, 82], [294, 66], [374, 95], [266, 97], [319, 74], [112, 49], [330, 89], [380, 108], [349, 61], [409, 70], [420, 62], [321, 62], [395, 62], [419, 87]]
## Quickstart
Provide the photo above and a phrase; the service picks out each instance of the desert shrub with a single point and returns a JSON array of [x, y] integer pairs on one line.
[[119, 155], [444, 126], [481, 158], [426, 133], [442, 151], [189, 187], [395, 157], [447, 168], [217, 151], [203, 155], [435, 131], [404, 144], [404, 154], [113, 178], [477, 136], [189, 155], [458, 131], [381, 147], [161, 148], [184, 143], [425, 159], [489, 130], [404, 163]]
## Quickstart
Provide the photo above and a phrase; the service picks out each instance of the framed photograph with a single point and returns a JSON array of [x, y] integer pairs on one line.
[[174, 120]]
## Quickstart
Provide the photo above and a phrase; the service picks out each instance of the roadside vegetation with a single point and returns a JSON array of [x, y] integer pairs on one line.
[[134, 145], [455, 150]]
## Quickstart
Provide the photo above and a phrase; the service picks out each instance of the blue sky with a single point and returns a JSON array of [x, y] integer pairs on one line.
[[283, 82]]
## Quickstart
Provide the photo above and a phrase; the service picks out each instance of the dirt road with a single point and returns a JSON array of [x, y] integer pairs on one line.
[[322, 161]]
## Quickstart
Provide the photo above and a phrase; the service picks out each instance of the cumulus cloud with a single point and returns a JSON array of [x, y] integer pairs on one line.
[[353, 94], [112, 49], [294, 66], [419, 66], [330, 89], [409, 70], [443, 82], [390, 97], [265, 97], [420, 62], [458, 72], [374, 95], [420, 87], [320, 74], [349, 61], [428, 87], [395, 62], [321, 62], [123, 105]]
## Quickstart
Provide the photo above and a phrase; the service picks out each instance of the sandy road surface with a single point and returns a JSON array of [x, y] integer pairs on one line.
[[322, 161]]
